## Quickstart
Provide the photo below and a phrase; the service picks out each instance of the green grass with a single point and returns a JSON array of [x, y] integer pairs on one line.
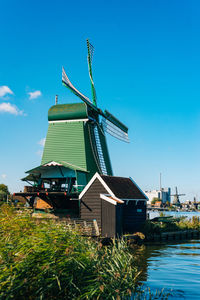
[[49, 260], [181, 224]]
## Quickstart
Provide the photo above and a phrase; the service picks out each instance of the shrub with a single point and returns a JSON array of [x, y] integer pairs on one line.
[[49, 260], [174, 224]]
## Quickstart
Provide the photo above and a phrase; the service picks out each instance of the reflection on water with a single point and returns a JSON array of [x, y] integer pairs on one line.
[[172, 266], [187, 214]]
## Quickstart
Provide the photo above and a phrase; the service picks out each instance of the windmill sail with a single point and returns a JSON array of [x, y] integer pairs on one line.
[[100, 151], [68, 84], [115, 121], [114, 127], [97, 150], [90, 57], [114, 130]]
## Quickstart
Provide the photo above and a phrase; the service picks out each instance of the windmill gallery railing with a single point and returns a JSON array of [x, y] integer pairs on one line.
[[75, 189]]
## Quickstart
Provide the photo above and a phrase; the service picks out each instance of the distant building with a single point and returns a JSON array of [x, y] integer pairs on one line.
[[190, 205], [164, 195]]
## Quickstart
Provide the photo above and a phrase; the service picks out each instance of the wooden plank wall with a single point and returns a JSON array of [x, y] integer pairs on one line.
[[108, 228], [91, 202], [132, 219]]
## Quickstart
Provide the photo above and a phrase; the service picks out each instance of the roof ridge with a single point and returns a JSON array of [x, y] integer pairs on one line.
[[114, 176]]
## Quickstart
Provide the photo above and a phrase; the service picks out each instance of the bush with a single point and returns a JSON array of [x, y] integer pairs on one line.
[[3, 192], [154, 200], [150, 228], [49, 260]]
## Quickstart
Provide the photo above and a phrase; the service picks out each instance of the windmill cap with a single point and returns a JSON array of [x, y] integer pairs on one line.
[[71, 111]]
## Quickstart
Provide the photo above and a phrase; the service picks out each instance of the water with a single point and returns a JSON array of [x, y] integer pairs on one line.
[[173, 266], [187, 214]]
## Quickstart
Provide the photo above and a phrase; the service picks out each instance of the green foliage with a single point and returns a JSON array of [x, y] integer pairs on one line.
[[3, 192], [154, 200], [49, 260], [151, 228], [194, 223], [4, 188], [162, 214]]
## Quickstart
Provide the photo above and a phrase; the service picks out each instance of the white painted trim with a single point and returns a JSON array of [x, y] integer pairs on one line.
[[102, 196], [145, 197], [134, 199], [88, 185], [107, 198], [52, 163], [96, 176], [69, 121]]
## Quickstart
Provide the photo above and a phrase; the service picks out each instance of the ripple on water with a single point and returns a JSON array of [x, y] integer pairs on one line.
[[175, 266]]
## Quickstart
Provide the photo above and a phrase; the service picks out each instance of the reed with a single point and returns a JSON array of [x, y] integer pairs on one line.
[[49, 260], [151, 228]]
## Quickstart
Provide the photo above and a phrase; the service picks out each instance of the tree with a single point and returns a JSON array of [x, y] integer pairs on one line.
[[154, 200], [167, 203], [4, 188], [3, 192]]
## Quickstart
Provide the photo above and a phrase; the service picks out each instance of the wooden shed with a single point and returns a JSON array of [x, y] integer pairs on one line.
[[116, 203]]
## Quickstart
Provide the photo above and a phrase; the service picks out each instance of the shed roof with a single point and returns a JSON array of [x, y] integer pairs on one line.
[[117, 187], [123, 187]]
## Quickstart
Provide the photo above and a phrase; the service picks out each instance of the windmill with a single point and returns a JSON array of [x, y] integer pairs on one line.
[[75, 146], [176, 197], [100, 122]]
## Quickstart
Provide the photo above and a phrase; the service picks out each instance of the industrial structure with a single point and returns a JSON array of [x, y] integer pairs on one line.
[[163, 195]]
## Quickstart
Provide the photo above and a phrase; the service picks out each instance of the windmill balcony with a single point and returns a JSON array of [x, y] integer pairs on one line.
[[75, 189]]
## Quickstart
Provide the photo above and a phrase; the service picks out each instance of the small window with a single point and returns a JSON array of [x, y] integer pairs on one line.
[[139, 210]]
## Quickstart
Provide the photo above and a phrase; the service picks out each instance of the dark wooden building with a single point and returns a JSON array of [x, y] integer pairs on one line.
[[116, 203]]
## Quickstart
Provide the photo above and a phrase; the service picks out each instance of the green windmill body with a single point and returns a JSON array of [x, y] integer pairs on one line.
[[75, 138], [75, 147]]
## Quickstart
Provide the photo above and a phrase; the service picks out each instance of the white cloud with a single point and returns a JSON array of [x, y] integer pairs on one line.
[[3, 176], [4, 90], [10, 108], [39, 153], [34, 95], [42, 142]]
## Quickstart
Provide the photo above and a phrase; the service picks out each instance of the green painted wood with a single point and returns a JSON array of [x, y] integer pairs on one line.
[[73, 142], [65, 142], [38, 170], [72, 111]]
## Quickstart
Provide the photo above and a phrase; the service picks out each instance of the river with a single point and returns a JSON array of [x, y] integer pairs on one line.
[[188, 214], [173, 266]]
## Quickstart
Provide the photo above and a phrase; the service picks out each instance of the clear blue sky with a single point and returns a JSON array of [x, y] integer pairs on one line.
[[146, 70]]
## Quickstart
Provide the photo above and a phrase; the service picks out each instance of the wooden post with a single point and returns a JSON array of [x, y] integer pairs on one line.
[[96, 227]]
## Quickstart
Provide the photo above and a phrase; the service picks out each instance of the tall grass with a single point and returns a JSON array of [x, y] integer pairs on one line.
[[150, 227], [48, 260]]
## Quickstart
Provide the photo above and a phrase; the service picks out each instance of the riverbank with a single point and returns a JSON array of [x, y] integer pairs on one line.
[[164, 228], [188, 214], [50, 260]]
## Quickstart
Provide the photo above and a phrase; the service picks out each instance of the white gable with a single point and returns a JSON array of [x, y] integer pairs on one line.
[[96, 176]]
